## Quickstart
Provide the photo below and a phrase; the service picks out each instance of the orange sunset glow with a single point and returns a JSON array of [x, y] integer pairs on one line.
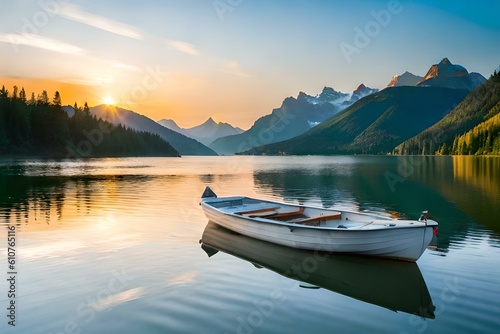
[[238, 62]]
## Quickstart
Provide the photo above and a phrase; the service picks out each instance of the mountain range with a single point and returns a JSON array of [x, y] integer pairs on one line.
[[205, 133], [373, 125], [294, 117], [377, 123], [401, 119]]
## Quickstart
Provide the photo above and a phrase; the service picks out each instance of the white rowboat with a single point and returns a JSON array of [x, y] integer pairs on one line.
[[321, 229]]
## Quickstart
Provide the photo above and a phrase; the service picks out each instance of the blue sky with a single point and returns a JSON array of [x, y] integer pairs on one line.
[[234, 60]]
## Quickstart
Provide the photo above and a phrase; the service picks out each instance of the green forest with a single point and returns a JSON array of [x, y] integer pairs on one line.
[[484, 138], [39, 127], [471, 128]]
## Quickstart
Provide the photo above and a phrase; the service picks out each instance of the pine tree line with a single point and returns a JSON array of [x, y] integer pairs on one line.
[[484, 138], [39, 127]]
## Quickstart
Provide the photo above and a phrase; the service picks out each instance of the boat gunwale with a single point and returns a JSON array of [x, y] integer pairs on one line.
[[292, 225]]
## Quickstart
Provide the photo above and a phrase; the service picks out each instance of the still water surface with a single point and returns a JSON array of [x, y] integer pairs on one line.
[[113, 246]]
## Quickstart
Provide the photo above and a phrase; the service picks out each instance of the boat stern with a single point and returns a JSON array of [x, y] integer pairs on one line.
[[424, 217]]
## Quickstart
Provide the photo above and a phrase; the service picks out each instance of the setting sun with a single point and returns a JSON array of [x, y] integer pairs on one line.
[[109, 100]]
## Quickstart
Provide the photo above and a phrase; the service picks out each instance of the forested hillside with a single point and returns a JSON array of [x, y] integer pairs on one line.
[[463, 129], [39, 127], [484, 138]]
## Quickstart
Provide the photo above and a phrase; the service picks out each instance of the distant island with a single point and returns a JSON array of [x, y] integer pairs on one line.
[[38, 127]]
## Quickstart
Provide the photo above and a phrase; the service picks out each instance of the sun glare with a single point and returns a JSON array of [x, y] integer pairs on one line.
[[109, 100]]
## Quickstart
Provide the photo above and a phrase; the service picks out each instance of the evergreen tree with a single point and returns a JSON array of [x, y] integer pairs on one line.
[[19, 123], [4, 109], [495, 76], [22, 95], [3, 134], [443, 150], [43, 98], [32, 100], [86, 109], [57, 99], [4, 93]]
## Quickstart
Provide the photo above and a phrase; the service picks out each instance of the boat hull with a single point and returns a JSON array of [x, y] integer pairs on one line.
[[397, 243]]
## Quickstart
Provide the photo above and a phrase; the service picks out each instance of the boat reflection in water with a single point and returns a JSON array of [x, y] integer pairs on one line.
[[395, 285]]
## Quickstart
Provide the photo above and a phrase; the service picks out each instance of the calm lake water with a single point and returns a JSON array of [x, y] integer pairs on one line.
[[113, 246]]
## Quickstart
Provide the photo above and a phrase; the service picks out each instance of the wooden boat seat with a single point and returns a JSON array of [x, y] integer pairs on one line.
[[263, 212], [287, 215], [316, 220]]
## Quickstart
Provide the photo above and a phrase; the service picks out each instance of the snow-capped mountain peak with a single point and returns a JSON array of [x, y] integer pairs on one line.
[[327, 95]]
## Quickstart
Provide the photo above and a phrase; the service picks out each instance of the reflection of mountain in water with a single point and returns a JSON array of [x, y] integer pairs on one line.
[[395, 285]]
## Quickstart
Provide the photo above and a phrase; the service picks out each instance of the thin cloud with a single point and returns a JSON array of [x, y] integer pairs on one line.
[[41, 42], [127, 67], [183, 47], [74, 13], [234, 68]]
